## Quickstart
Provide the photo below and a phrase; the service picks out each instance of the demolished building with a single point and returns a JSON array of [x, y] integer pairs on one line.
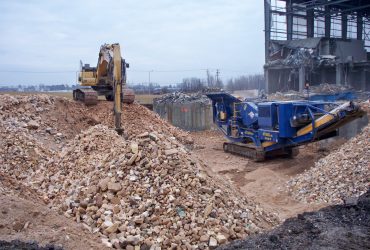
[[316, 42]]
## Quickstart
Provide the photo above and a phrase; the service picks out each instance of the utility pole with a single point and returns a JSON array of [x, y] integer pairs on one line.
[[149, 79], [217, 75], [208, 78]]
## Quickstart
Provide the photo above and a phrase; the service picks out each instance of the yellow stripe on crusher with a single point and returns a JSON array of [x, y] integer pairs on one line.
[[323, 119], [267, 143]]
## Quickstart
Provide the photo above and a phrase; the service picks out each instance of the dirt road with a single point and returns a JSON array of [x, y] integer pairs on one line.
[[262, 181]]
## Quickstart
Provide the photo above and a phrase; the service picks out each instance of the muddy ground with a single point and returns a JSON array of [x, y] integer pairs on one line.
[[334, 227], [264, 182]]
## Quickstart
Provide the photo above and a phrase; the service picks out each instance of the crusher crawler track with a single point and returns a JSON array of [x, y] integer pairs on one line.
[[87, 96], [256, 154]]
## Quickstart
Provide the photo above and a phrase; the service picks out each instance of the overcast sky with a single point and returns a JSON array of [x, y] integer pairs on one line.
[[183, 36]]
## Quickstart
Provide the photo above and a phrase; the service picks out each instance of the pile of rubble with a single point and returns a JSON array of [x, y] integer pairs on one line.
[[20, 126], [329, 88], [343, 174], [144, 189], [286, 96], [323, 88], [137, 119], [179, 97]]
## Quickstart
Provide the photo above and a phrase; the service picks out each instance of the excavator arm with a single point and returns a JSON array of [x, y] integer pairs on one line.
[[118, 81]]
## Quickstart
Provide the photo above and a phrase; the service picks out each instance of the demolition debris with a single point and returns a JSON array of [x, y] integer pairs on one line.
[[179, 97], [343, 173], [144, 189]]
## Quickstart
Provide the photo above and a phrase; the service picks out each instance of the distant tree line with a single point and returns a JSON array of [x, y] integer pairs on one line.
[[192, 84], [38, 88], [246, 82], [153, 88]]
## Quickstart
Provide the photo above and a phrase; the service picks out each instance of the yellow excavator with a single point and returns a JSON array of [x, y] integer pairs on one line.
[[108, 79]]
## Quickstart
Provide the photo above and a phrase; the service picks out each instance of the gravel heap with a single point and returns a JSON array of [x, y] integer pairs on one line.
[[342, 174], [144, 189]]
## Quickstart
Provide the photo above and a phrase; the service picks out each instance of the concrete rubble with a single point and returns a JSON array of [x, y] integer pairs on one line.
[[342, 174], [341, 92], [142, 190], [179, 97]]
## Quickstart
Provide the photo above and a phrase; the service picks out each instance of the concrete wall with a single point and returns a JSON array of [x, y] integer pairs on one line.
[[191, 116], [351, 48]]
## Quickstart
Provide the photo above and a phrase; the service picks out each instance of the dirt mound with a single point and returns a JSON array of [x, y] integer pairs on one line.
[[334, 227], [143, 189], [341, 174]]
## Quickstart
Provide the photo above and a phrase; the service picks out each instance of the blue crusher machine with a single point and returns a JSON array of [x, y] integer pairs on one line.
[[274, 128]]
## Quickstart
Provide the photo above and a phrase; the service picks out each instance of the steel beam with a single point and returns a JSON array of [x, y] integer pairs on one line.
[[327, 21], [360, 26], [310, 23], [344, 25], [289, 20]]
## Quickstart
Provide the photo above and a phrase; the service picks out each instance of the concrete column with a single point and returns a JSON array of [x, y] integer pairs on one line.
[[267, 82], [327, 22], [344, 26], [302, 78], [363, 80], [339, 74], [267, 28], [310, 23], [289, 20]]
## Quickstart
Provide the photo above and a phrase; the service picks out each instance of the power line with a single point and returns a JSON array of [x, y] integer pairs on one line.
[[167, 71], [37, 72], [141, 71]]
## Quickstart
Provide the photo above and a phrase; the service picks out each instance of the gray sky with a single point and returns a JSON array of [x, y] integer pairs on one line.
[[159, 35]]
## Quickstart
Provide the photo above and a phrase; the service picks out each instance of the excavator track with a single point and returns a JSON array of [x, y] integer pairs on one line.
[[87, 96]]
